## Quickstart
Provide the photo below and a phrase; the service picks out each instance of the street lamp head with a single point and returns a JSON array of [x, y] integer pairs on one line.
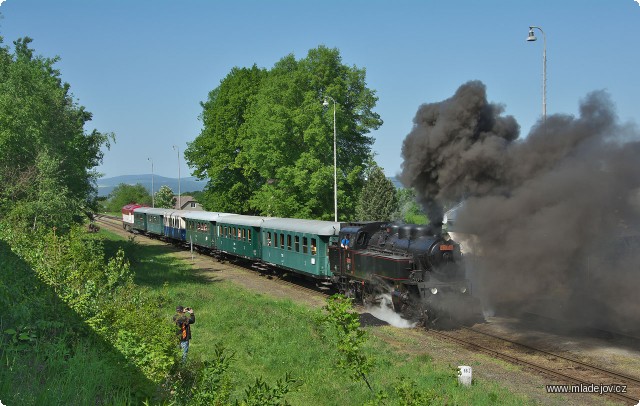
[[532, 36], [325, 103]]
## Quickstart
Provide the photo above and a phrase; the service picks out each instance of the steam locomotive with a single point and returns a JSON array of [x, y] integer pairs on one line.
[[418, 266]]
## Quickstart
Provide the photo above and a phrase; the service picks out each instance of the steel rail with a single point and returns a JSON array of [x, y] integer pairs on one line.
[[520, 361]]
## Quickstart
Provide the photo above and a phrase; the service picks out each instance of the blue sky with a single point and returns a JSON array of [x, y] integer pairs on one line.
[[143, 67]]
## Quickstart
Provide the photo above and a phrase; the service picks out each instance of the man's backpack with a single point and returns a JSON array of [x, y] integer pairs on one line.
[[182, 325]]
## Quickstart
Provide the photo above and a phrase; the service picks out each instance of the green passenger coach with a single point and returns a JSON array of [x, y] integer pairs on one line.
[[300, 245], [140, 219], [155, 220], [239, 235], [201, 228]]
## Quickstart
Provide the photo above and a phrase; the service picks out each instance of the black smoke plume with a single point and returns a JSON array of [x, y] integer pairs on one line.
[[456, 148], [554, 215]]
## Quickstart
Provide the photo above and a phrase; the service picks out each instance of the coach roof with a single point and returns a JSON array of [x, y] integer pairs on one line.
[[205, 215], [157, 211], [317, 227], [242, 220]]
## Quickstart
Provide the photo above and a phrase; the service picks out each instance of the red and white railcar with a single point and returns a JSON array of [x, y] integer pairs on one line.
[[127, 215]]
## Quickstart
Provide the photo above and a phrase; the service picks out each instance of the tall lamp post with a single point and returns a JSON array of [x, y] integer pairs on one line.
[[153, 201], [530, 38], [178, 151], [335, 162]]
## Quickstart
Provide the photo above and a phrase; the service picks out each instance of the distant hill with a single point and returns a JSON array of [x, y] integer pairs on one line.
[[189, 184]]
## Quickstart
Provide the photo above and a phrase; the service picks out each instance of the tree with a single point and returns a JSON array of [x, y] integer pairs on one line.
[[409, 210], [276, 157], [216, 153], [164, 198], [378, 200], [124, 194], [47, 160]]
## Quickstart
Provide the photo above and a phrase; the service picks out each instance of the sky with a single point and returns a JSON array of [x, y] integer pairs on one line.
[[143, 67]]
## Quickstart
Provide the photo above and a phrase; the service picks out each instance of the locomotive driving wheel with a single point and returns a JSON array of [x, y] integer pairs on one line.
[[429, 318]]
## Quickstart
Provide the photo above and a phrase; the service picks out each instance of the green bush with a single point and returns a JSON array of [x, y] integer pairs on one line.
[[70, 274]]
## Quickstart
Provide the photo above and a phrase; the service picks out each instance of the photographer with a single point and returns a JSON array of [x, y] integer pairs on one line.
[[183, 318]]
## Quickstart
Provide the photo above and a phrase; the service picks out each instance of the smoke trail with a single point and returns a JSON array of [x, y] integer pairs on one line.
[[548, 211]]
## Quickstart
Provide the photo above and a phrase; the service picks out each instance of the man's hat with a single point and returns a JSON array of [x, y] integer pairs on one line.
[[180, 309]]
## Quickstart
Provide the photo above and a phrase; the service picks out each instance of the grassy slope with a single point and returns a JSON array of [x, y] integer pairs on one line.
[[65, 363], [271, 337]]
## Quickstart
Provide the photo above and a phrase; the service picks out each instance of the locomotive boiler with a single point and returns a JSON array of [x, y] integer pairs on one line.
[[418, 265]]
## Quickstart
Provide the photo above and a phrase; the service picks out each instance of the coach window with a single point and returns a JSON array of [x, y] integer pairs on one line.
[[249, 235], [297, 243], [240, 233], [304, 245], [314, 248], [289, 242], [282, 241], [268, 242], [226, 231]]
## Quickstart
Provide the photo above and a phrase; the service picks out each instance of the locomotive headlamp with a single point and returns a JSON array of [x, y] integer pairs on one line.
[[463, 289], [434, 290], [446, 236]]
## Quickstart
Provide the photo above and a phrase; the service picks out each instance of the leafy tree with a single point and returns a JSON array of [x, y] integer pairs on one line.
[[124, 194], [164, 197], [409, 210], [47, 160], [216, 152], [378, 200], [271, 151]]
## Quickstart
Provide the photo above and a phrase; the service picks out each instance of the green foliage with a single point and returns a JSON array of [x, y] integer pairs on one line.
[[46, 158], [409, 209], [45, 346], [263, 394], [267, 142], [410, 395], [217, 152], [102, 293], [124, 194], [164, 198], [378, 200], [208, 383], [345, 323], [203, 383]]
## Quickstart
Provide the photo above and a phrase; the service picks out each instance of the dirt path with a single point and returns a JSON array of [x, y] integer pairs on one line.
[[411, 341]]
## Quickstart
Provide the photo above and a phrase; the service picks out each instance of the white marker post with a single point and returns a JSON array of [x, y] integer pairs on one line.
[[464, 375]]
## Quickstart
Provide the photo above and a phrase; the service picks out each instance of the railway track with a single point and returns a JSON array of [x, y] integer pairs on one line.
[[566, 370]]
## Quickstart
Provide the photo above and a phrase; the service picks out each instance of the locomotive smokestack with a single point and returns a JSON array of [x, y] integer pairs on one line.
[[543, 208]]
